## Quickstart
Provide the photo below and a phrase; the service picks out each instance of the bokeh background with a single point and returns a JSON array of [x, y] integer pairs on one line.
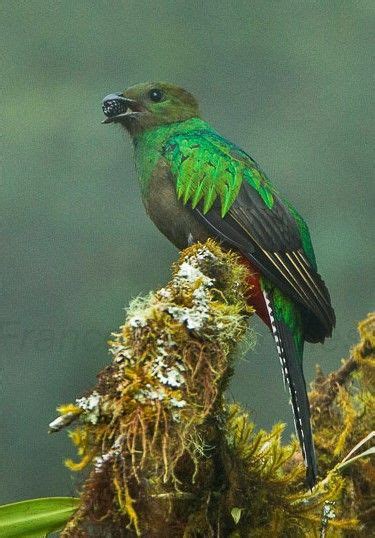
[[289, 81]]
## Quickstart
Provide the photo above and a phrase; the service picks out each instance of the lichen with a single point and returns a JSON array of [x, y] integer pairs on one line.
[[170, 457]]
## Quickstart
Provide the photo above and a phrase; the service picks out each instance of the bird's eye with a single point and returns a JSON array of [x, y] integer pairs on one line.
[[155, 95]]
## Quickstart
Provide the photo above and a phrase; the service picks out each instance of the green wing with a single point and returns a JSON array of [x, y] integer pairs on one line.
[[208, 168], [232, 197]]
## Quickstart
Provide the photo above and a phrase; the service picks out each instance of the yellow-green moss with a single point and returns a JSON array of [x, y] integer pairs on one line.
[[168, 455]]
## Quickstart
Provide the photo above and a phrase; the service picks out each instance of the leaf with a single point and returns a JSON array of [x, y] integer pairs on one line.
[[35, 518], [236, 514], [368, 452], [358, 445]]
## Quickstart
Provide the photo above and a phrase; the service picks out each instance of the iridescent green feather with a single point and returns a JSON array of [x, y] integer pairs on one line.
[[304, 234], [252, 178], [266, 196], [198, 193], [286, 310], [207, 166]]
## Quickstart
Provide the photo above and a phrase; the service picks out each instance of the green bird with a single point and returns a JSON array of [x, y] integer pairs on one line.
[[195, 185]]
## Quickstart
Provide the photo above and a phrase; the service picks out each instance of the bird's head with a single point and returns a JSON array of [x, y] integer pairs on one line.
[[149, 105]]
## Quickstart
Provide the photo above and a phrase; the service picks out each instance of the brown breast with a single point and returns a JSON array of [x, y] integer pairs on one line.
[[177, 222]]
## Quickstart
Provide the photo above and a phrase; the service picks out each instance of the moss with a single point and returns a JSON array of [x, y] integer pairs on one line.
[[168, 456], [343, 415]]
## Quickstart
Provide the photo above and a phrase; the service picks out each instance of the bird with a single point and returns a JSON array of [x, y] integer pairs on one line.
[[196, 184]]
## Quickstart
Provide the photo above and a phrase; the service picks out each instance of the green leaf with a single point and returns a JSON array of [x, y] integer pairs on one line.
[[35, 518], [236, 514]]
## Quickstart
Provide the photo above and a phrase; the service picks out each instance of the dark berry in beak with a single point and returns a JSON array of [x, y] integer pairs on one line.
[[113, 105]]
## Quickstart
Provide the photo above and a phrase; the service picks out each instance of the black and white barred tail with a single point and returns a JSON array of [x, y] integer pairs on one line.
[[291, 364]]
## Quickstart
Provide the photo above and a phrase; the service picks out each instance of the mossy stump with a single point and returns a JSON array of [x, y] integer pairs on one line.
[[168, 457]]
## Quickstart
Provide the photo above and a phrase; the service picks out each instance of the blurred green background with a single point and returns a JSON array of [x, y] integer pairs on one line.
[[289, 81]]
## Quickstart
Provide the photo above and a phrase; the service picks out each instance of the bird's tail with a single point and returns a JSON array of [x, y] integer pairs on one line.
[[290, 354]]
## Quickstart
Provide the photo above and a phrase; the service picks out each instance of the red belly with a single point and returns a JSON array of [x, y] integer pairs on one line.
[[256, 298]]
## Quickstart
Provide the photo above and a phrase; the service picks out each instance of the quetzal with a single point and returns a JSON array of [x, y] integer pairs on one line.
[[196, 184]]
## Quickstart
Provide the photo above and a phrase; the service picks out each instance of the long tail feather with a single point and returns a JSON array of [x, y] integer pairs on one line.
[[291, 363]]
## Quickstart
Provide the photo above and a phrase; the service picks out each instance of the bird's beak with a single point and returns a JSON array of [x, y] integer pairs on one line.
[[117, 107]]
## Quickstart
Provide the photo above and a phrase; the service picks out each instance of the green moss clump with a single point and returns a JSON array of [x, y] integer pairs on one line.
[[169, 457], [343, 415]]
